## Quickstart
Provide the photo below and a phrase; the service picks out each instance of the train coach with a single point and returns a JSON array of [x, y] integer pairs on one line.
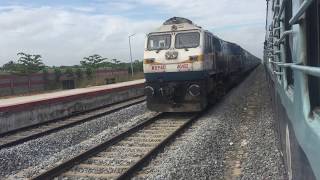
[[292, 64], [186, 67]]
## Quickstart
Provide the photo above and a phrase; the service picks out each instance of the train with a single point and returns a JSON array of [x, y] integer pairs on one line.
[[292, 66], [187, 67]]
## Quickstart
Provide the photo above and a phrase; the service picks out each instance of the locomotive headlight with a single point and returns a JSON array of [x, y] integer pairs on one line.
[[193, 58], [194, 90], [149, 91], [196, 58], [149, 61]]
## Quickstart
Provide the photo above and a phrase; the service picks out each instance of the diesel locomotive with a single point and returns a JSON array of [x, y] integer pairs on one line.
[[187, 67]]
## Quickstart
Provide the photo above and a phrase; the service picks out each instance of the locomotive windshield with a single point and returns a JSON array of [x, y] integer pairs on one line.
[[187, 40], [157, 42]]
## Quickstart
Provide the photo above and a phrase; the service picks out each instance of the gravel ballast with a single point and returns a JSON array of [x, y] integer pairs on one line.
[[42, 153], [234, 140]]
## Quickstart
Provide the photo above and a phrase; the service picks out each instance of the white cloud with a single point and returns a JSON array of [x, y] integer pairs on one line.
[[63, 35], [237, 21]]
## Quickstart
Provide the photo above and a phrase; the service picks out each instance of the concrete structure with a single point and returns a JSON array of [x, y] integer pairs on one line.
[[24, 111]]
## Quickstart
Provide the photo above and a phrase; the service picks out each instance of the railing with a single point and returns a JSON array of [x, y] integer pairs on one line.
[[286, 33], [281, 9], [309, 70], [304, 6]]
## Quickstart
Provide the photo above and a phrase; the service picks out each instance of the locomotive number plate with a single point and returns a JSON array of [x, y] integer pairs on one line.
[[183, 67], [158, 67]]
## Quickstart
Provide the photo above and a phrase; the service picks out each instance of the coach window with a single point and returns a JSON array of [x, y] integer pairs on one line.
[[288, 41], [216, 44], [207, 43], [210, 44], [313, 58]]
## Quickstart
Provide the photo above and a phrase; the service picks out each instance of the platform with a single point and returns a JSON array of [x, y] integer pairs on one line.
[[18, 112]]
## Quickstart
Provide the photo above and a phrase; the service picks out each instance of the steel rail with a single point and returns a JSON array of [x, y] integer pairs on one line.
[[136, 166], [66, 165], [146, 158], [26, 138]]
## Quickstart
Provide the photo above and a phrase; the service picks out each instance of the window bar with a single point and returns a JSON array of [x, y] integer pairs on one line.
[[302, 9], [281, 9], [276, 29], [284, 35], [275, 62], [278, 73], [277, 52], [313, 71], [286, 65]]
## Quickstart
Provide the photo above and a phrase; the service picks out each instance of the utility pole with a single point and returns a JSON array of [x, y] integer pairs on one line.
[[131, 53]]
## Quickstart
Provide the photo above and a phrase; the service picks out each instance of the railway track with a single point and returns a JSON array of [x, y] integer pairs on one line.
[[123, 155], [22, 135]]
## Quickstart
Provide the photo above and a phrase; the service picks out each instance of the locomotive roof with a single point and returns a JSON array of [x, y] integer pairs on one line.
[[177, 24], [177, 20]]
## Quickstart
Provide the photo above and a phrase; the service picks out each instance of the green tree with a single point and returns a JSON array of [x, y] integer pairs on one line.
[[10, 66], [29, 63], [95, 61], [69, 72], [45, 75], [138, 65], [79, 73], [115, 61], [89, 72], [57, 73]]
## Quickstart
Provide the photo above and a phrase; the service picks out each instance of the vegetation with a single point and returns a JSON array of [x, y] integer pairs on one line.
[[95, 61], [27, 64], [57, 73], [32, 63], [82, 75]]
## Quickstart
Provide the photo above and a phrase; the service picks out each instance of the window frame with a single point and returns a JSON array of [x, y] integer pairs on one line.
[[313, 53], [178, 33], [148, 44]]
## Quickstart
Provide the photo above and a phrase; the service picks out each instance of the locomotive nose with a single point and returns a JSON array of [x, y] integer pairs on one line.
[[194, 90], [149, 91]]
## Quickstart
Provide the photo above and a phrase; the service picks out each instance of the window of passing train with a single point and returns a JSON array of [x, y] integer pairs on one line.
[[187, 40], [313, 51], [208, 43], [216, 44], [156, 42], [288, 39]]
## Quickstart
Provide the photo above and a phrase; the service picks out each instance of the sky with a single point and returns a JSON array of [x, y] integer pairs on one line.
[[65, 31]]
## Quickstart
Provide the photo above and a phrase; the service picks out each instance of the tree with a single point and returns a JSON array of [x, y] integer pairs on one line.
[[79, 73], [138, 65], [10, 66], [95, 61], [115, 61], [69, 72], [57, 73], [89, 72], [29, 63]]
